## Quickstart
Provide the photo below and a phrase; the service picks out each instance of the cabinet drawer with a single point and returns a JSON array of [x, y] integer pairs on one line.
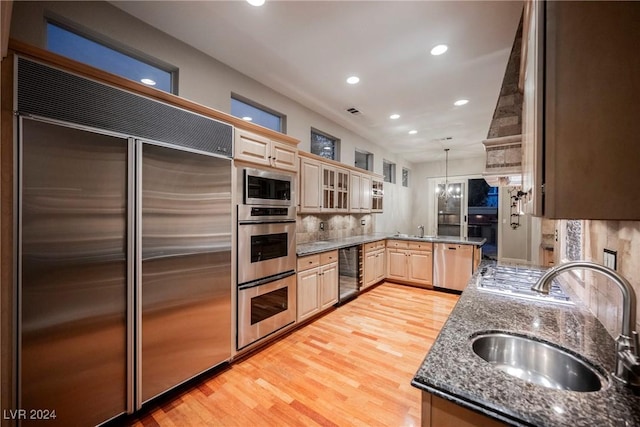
[[307, 262], [374, 246], [421, 246], [397, 244], [328, 257]]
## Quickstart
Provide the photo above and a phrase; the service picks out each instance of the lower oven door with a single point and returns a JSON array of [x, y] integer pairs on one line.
[[265, 249], [265, 308]]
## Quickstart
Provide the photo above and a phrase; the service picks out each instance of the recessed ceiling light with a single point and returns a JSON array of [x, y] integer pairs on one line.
[[255, 2], [439, 49], [413, 132], [148, 82], [460, 102], [394, 116], [247, 118], [353, 80]]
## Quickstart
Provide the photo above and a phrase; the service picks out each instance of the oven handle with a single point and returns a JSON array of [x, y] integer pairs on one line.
[[266, 280]]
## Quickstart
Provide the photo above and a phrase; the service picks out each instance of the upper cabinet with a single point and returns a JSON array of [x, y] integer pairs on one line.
[[581, 111], [258, 149], [377, 195], [330, 187]]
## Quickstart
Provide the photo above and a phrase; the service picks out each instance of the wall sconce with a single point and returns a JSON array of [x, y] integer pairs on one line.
[[516, 206]]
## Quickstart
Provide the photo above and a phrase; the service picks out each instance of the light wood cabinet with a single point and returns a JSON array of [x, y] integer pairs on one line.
[[360, 193], [335, 189], [377, 195], [439, 412], [310, 194], [254, 148], [317, 283], [410, 262], [581, 109], [374, 263], [477, 257]]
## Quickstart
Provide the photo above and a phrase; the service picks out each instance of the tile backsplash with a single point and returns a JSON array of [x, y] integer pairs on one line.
[[597, 292], [335, 226]]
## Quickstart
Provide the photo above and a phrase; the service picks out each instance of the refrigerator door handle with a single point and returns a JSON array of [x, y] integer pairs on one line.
[[131, 278], [138, 272]]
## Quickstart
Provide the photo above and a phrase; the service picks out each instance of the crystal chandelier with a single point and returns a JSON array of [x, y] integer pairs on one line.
[[444, 192]]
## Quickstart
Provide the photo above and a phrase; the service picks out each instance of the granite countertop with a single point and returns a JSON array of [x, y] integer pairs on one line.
[[328, 245], [454, 372]]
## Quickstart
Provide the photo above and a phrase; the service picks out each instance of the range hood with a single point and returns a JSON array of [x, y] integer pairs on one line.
[[503, 145], [504, 161]]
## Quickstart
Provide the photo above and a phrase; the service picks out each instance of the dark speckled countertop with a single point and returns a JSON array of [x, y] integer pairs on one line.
[[453, 371], [303, 249]]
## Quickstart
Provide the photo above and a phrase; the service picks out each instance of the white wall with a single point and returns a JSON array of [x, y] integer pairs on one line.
[[514, 245], [207, 81]]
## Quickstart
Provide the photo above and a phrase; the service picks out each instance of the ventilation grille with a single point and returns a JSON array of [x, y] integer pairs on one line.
[[354, 111], [55, 94]]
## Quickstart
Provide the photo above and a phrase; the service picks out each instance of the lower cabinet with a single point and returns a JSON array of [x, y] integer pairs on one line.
[[439, 412], [375, 264], [317, 283], [410, 262]]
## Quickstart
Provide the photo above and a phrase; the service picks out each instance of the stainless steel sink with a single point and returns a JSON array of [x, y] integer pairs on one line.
[[537, 362]]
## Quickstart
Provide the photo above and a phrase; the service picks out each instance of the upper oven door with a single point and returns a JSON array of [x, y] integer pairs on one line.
[[267, 188], [265, 249]]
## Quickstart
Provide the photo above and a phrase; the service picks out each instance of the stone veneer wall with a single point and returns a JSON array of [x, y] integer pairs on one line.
[[507, 117], [335, 226], [601, 296]]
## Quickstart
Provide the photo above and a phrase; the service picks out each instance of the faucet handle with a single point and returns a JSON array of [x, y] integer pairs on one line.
[[635, 343]]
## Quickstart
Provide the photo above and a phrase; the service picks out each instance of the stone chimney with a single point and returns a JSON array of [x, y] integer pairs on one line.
[[504, 139]]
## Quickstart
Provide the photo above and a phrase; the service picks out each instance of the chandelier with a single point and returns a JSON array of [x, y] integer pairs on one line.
[[445, 192]]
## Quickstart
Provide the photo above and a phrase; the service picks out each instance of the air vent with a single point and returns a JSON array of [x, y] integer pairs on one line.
[[354, 111]]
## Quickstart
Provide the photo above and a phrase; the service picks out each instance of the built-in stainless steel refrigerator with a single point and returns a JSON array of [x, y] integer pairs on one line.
[[124, 278]]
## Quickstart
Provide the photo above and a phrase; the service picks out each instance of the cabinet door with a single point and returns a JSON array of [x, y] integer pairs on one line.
[[309, 185], [308, 293], [369, 269], [252, 148], [421, 267], [381, 265], [365, 193], [328, 188], [397, 264], [355, 192], [342, 190], [284, 156], [329, 285]]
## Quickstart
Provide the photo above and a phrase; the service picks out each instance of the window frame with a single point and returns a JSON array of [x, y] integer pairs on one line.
[[368, 160], [105, 41], [261, 107], [333, 139], [408, 176], [392, 171]]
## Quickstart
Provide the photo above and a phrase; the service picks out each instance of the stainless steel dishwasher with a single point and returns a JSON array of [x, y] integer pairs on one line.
[[452, 266]]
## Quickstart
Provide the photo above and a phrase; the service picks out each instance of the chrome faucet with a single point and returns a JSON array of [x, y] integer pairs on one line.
[[421, 228], [627, 346]]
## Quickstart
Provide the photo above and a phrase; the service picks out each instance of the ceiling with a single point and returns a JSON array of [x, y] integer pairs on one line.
[[306, 50]]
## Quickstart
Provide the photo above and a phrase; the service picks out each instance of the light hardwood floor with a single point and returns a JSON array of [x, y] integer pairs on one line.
[[351, 367]]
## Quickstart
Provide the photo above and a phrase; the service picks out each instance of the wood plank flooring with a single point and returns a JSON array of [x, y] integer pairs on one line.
[[351, 367]]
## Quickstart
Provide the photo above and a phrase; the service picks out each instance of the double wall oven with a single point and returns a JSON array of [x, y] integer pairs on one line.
[[266, 255]]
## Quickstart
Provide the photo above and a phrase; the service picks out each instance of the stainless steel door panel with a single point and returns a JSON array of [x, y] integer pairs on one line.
[[73, 273], [452, 265], [186, 266], [250, 330], [252, 263]]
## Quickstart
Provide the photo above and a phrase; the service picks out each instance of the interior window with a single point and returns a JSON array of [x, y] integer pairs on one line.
[[258, 114], [80, 48], [324, 144]]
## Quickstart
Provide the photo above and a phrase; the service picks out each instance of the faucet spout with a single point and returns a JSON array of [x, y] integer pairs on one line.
[[627, 349]]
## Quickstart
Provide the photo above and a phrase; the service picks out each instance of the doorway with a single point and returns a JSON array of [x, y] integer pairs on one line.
[[483, 215]]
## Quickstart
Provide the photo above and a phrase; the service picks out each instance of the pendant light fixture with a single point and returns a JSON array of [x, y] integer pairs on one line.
[[445, 192]]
